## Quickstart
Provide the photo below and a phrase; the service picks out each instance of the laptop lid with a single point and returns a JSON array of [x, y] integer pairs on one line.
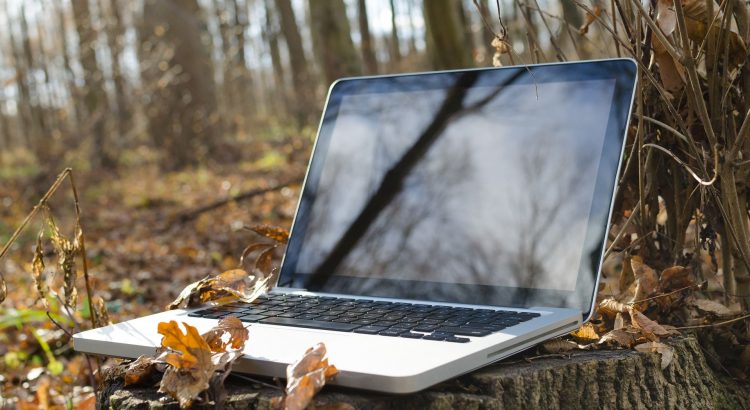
[[484, 186]]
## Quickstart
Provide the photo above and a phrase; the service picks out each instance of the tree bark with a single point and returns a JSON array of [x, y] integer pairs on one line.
[[611, 379], [332, 40], [368, 52], [178, 73], [395, 41], [445, 42], [271, 36], [94, 95], [115, 43], [301, 79]]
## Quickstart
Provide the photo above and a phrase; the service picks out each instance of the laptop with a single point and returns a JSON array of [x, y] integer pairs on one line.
[[447, 220]]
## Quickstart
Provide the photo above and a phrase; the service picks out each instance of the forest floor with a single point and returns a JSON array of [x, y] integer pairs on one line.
[[146, 238], [149, 233]]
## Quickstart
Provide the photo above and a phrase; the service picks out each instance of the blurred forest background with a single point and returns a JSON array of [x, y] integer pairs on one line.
[[108, 85], [187, 120]]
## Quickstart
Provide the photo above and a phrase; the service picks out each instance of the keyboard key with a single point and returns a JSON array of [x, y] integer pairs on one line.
[[370, 330], [457, 339], [391, 332], [410, 335], [311, 324], [365, 322], [425, 328], [433, 337], [252, 318], [464, 331]]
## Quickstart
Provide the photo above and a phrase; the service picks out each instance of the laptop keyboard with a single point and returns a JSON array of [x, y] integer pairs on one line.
[[394, 319]]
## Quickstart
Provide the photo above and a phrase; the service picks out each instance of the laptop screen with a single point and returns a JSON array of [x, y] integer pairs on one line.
[[484, 186]]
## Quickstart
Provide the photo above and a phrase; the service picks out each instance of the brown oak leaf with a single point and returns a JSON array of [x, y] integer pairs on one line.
[[306, 377], [228, 332]]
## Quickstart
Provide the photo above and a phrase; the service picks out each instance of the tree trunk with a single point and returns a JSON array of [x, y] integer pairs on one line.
[[115, 41], [445, 42], [26, 123], [75, 114], [271, 36], [301, 79], [227, 98], [332, 39], [94, 96], [368, 52], [178, 73], [242, 79], [395, 42], [612, 379]]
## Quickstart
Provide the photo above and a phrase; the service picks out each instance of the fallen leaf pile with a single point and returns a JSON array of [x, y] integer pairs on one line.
[[631, 306]]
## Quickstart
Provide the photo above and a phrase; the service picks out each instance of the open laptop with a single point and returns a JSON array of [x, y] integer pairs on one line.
[[447, 220]]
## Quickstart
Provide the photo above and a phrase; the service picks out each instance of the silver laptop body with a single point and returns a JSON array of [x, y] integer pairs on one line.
[[468, 195]]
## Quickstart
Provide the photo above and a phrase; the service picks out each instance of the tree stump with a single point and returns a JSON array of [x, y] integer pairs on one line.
[[603, 379]]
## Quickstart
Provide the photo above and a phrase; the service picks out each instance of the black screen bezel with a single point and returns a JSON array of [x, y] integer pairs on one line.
[[623, 71]]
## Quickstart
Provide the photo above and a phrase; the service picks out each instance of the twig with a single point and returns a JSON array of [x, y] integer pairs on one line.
[[695, 285], [692, 173], [726, 322], [250, 379], [659, 34], [636, 208], [89, 293], [194, 213], [666, 127], [34, 211]]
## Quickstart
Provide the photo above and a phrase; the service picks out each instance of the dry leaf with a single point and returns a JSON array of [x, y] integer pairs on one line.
[[37, 271], [559, 346], [235, 284], [229, 332], [100, 314], [3, 288], [712, 307], [626, 276], [501, 46], [192, 362], [276, 233], [184, 385], [222, 368], [649, 327], [610, 307], [66, 252], [666, 352], [676, 277], [264, 263], [585, 334], [89, 403], [306, 377], [590, 18], [186, 350], [646, 281], [252, 248], [619, 321], [620, 338], [140, 370]]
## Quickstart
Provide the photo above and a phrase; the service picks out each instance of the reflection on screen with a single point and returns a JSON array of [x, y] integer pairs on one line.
[[501, 197]]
